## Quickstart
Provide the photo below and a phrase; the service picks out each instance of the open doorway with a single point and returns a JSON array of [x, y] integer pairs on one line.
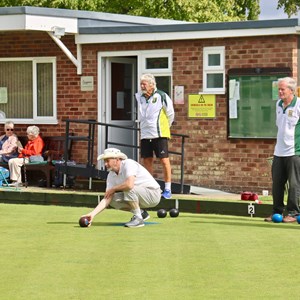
[[118, 106]]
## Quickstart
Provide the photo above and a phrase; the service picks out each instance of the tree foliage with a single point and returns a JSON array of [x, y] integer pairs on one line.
[[187, 10], [290, 7]]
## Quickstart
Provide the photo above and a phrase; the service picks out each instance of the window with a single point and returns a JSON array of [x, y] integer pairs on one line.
[[30, 89], [159, 63], [214, 70]]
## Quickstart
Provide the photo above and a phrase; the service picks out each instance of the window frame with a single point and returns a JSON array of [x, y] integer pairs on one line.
[[160, 72], [35, 118], [207, 70], [166, 53]]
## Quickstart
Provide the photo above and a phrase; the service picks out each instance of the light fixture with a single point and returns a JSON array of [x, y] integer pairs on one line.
[[58, 31]]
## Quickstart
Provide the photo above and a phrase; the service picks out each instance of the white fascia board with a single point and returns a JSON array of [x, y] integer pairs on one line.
[[186, 35], [47, 23], [10, 22], [40, 23]]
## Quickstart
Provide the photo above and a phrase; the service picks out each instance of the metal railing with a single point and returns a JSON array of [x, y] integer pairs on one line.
[[90, 139]]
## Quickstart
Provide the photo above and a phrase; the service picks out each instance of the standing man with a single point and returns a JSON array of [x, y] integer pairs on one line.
[[129, 187], [156, 117], [286, 160]]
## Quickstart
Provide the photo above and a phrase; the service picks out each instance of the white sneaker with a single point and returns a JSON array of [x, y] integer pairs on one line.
[[135, 222], [13, 184]]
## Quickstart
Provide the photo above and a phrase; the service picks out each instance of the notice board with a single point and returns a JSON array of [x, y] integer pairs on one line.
[[252, 96]]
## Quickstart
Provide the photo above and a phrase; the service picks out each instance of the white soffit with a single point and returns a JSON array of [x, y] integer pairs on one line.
[[40, 23], [184, 35]]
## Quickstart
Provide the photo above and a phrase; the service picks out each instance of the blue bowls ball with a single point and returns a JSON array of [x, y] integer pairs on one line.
[[277, 218], [298, 219]]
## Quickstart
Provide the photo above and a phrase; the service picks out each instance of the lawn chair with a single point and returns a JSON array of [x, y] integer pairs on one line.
[[4, 173]]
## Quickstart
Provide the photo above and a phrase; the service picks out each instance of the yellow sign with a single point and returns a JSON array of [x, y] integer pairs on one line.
[[202, 106]]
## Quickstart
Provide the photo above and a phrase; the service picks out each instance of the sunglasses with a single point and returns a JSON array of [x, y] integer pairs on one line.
[[9, 129]]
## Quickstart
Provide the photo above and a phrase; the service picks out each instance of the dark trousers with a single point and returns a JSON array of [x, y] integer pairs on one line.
[[286, 170]]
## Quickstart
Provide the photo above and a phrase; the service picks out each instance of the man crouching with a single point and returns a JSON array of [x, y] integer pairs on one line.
[[129, 187]]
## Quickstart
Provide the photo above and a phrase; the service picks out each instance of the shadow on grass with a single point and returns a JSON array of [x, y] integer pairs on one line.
[[98, 223], [239, 221], [215, 217], [247, 224]]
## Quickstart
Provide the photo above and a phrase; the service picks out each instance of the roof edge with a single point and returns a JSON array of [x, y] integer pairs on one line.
[[260, 24], [84, 14]]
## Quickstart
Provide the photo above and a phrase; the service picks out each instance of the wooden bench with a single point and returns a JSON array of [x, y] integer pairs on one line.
[[53, 151]]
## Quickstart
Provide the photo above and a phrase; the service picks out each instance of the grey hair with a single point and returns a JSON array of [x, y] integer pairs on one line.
[[291, 83], [33, 130], [149, 78], [9, 124]]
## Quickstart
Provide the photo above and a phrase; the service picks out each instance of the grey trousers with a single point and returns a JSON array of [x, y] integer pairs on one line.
[[286, 169], [144, 196]]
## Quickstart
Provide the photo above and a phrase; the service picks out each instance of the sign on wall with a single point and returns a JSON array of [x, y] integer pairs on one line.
[[202, 106], [87, 83], [3, 94], [179, 94]]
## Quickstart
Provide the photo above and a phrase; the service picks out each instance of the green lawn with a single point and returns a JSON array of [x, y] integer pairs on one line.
[[46, 255]]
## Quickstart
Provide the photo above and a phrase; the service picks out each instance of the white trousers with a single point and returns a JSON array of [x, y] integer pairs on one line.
[[15, 165]]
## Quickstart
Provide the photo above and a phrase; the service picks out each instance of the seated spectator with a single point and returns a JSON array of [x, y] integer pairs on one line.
[[8, 143], [34, 147]]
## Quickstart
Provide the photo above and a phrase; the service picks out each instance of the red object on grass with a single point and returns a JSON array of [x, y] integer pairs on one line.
[[246, 195], [254, 197], [249, 196]]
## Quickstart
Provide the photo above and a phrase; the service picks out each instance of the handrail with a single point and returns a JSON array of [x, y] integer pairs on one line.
[[91, 137]]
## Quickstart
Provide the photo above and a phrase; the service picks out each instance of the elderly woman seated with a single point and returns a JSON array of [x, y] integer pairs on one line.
[[34, 147], [8, 143]]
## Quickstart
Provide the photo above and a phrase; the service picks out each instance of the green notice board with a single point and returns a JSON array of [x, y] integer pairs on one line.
[[251, 104]]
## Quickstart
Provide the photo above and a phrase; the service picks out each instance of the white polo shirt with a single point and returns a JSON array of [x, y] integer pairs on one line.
[[288, 124], [128, 168]]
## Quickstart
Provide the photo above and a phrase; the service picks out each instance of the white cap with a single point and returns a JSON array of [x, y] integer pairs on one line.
[[112, 153]]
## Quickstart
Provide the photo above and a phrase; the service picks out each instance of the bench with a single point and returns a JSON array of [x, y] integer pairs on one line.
[[53, 151]]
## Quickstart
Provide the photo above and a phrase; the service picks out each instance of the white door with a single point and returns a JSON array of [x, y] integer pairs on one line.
[[120, 103]]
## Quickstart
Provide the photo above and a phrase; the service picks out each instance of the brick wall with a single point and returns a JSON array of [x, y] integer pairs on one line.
[[211, 159]]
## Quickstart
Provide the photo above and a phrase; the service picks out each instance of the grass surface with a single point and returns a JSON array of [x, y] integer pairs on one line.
[[46, 255]]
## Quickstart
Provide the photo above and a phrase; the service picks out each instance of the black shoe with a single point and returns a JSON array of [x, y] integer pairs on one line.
[[145, 215]]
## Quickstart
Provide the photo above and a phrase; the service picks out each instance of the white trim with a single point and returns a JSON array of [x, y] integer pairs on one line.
[[101, 65], [79, 59], [40, 23], [213, 69], [34, 89], [30, 58], [220, 50], [167, 53], [77, 62], [12, 23], [186, 35]]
